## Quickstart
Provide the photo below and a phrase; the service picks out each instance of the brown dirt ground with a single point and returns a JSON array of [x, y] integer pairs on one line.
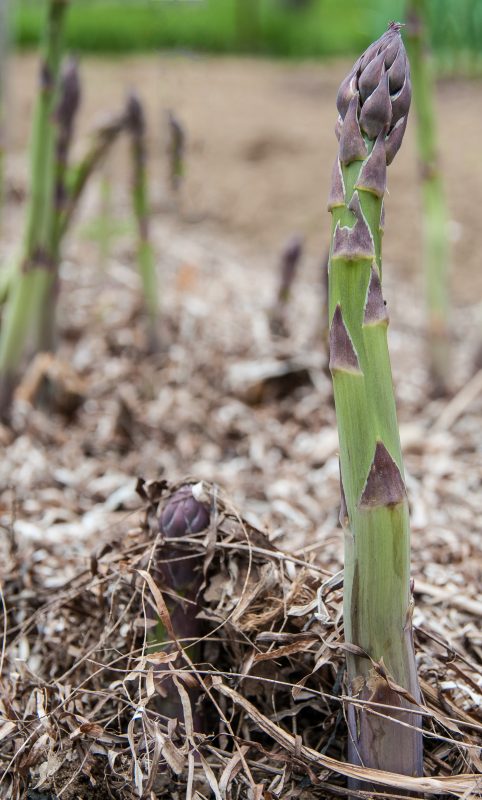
[[260, 152]]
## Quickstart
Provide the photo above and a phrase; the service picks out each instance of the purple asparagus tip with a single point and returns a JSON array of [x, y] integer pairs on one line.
[[374, 99], [135, 116], [183, 514], [69, 96], [290, 258]]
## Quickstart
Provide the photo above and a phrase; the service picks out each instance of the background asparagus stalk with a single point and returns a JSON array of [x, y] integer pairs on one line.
[[436, 244], [176, 150], [103, 139], [67, 107], [373, 103], [290, 258], [32, 279], [4, 44], [140, 198]]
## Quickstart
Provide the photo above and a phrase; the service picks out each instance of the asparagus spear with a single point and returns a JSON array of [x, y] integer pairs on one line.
[[289, 261], [67, 107], [373, 103], [176, 148], [137, 127], [4, 43], [30, 285], [436, 244], [181, 576], [103, 139]]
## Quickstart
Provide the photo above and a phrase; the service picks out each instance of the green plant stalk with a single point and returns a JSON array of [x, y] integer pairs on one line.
[[175, 151], [140, 202], [4, 44], [65, 113], [103, 139], [436, 255], [374, 515], [28, 293]]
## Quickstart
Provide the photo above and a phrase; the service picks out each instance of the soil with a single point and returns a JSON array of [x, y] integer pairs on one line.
[[212, 403]]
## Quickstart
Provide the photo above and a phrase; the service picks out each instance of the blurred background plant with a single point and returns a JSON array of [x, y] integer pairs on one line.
[[286, 28]]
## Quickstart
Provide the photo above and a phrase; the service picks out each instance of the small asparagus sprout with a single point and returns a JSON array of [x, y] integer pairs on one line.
[[436, 257], [176, 151], [290, 258], [136, 125], [373, 104], [181, 575], [28, 288]]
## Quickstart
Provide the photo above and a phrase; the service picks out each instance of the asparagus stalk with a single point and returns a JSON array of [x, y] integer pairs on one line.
[[103, 139], [4, 43], [436, 244], [137, 127], [176, 149], [373, 103], [181, 576], [29, 289], [67, 107], [290, 258]]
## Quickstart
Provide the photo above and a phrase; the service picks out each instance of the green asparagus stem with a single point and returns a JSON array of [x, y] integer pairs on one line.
[[4, 43], [140, 198], [373, 104], [67, 107], [29, 290], [103, 139], [436, 255]]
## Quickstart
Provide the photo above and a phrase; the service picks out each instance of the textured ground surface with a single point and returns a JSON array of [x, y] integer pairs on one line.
[[261, 145]]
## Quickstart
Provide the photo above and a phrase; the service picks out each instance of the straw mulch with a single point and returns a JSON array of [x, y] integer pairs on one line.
[[92, 706]]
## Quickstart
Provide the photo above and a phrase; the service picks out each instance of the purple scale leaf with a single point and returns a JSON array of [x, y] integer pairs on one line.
[[394, 139], [401, 101], [371, 76], [354, 243], [384, 486], [346, 91], [375, 309], [337, 189], [343, 356], [376, 113], [352, 144], [373, 174], [370, 53], [398, 70], [392, 50]]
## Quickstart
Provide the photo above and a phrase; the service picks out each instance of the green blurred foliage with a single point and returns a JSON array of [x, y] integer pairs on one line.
[[285, 28]]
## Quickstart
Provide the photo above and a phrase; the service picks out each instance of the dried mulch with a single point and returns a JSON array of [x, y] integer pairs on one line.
[[252, 708]]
